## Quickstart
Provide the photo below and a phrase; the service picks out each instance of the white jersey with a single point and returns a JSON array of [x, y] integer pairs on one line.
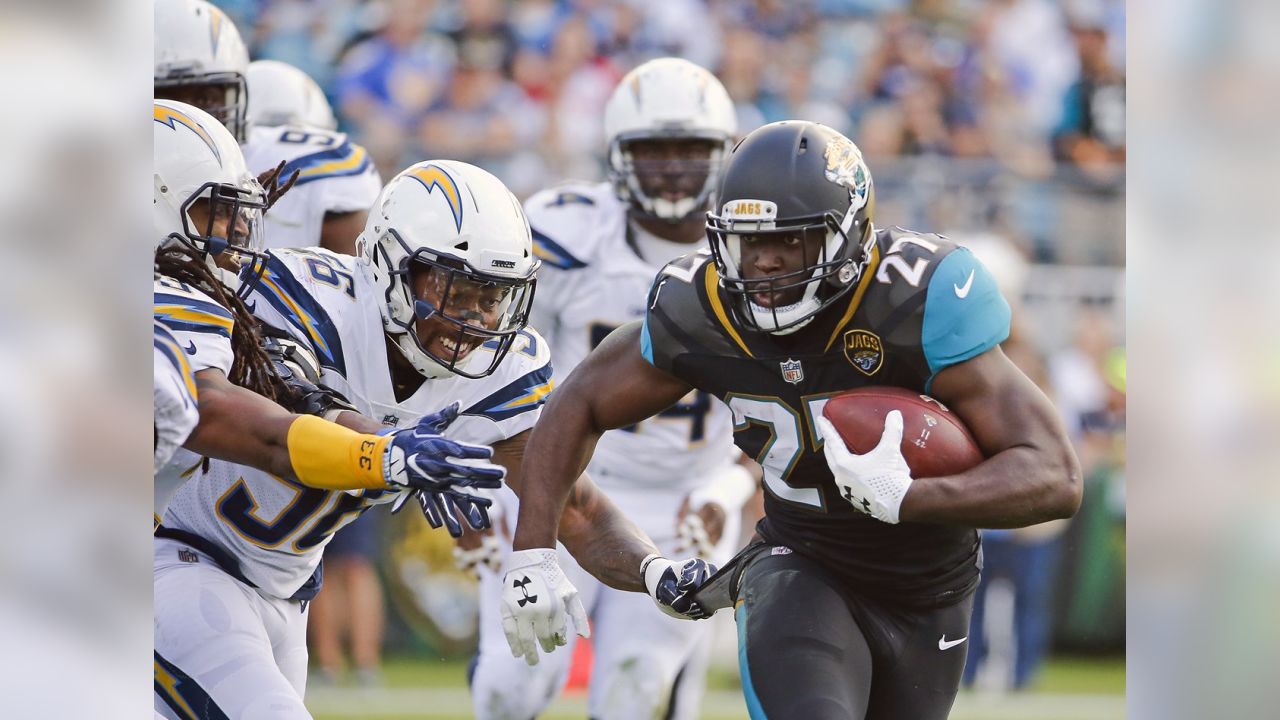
[[174, 401], [275, 529], [201, 330], [593, 280], [334, 175]]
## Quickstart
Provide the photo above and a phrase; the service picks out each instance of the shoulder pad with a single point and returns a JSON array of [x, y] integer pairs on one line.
[[164, 343], [289, 293], [964, 313], [908, 261], [686, 267], [328, 154], [521, 383], [569, 221], [182, 307], [201, 327], [678, 321]]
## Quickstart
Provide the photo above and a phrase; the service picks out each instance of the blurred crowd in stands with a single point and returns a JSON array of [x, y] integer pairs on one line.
[[1014, 97]]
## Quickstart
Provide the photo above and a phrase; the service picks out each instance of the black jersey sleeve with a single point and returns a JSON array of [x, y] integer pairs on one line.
[[685, 315]]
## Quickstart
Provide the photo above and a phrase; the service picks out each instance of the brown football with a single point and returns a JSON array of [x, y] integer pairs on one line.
[[934, 441]]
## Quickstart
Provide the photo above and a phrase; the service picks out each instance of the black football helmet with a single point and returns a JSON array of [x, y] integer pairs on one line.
[[793, 177]]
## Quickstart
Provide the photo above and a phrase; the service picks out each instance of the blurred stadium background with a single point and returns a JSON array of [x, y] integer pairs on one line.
[[1000, 123]]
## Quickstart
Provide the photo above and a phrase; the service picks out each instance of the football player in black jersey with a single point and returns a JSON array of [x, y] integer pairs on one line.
[[855, 602]]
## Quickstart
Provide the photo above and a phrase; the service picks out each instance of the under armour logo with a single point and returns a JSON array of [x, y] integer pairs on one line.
[[523, 583], [866, 504]]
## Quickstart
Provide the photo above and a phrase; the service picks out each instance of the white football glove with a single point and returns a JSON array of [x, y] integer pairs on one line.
[[876, 482], [671, 585], [536, 598]]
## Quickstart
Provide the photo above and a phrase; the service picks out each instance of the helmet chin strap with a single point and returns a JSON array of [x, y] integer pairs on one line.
[[780, 316]]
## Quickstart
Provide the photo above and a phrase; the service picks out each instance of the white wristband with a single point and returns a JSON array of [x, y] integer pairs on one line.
[[651, 569]]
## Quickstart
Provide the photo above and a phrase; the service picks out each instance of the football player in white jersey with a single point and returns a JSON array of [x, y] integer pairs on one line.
[[207, 208], [669, 123], [291, 121], [201, 59]]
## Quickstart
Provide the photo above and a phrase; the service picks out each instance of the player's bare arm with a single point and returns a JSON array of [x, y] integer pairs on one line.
[[612, 388], [244, 427], [598, 535], [1031, 473], [240, 426]]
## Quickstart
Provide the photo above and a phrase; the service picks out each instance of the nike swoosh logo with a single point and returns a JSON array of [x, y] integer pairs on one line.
[[944, 643], [191, 347], [963, 292]]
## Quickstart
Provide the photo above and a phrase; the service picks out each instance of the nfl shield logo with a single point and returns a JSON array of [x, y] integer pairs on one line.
[[791, 371]]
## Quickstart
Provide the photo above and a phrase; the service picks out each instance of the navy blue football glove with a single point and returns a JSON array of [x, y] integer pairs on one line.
[[441, 500], [672, 585], [449, 508], [420, 457]]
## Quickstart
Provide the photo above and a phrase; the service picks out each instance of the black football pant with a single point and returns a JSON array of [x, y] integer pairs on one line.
[[810, 650]]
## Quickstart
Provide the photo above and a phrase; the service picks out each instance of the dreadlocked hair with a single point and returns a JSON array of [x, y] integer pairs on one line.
[[251, 369]]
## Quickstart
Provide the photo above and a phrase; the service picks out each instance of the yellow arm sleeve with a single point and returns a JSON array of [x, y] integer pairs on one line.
[[328, 456]]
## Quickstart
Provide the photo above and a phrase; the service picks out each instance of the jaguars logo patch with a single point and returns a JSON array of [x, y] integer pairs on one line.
[[864, 351], [846, 168]]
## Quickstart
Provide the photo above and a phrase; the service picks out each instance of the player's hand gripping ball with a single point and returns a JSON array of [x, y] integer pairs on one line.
[[888, 436]]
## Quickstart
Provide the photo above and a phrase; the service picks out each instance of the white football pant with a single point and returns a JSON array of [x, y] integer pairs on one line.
[[220, 646]]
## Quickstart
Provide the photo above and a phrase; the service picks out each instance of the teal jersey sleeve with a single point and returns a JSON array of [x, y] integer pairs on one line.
[[964, 313], [646, 342]]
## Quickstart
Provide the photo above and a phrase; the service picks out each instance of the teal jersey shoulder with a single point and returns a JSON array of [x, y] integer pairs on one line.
[[964, 313]]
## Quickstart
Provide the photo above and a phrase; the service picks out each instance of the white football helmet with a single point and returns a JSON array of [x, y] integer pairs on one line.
[[196, 159], [201, 60], [667, 98], [451, 247], [284, 95]]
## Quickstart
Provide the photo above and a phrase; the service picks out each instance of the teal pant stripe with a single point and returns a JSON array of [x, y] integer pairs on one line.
[[748, 690]]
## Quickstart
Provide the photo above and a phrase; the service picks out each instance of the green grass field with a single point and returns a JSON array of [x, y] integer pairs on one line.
[[1068, 689]]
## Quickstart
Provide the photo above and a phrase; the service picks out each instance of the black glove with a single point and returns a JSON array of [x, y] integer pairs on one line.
[[299, 373]]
